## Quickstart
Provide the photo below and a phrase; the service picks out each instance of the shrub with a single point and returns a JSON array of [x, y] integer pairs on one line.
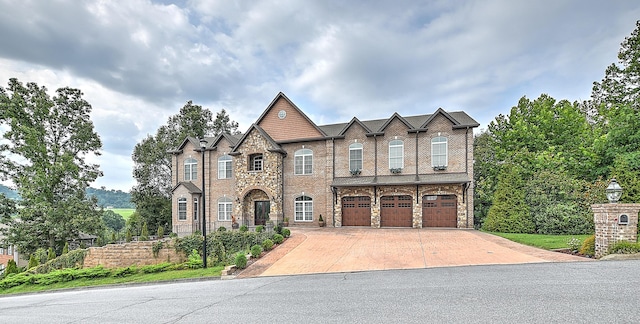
[[222, 229], [51, 255], [589, 246], [144, 236], [188, 243], [267, 244], [259, 228], [286, 232], [216, 250], [625, 248], [156, 247], [241, 260], [256, 250], [160, 232], [41, 255], [129, 236], [194, 261], [244, 228], [65, 250], [32, 261], [278, 229], [574, 244], [72, 259], [11, 268], [277, 238]]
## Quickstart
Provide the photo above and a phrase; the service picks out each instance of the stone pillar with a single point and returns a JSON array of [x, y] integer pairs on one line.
[[610, 229]]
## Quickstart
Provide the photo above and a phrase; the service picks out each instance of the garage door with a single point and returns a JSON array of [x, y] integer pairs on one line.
[[356, 211], [396, 211], [439, 211]]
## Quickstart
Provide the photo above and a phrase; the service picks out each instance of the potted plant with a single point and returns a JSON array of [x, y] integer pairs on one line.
[[285, 223], [320, 221], [355, 172], [234, 223], [395, 170]]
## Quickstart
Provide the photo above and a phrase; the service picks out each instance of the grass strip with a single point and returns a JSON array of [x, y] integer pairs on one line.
[[543, 241]]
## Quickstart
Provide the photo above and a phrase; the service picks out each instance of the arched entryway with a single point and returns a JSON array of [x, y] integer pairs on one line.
[[256, 207]]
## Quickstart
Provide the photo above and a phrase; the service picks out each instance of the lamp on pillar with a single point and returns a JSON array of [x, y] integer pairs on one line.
[[203, 146], [614, 191]]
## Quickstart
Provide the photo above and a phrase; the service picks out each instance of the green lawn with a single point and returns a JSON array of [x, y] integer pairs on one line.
[[547, 242], [136, 278], [124, 212]]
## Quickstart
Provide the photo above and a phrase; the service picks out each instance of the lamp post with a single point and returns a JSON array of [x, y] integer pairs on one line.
[[614, 191], [203, 145]]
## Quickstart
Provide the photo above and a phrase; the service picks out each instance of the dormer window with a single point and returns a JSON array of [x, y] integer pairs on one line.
[[255, 162]]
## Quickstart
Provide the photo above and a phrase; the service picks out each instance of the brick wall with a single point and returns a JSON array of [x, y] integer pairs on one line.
[[608, 231], [132, 253]]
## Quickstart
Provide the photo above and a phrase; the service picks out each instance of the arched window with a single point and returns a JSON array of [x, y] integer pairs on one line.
[[304, 209], [224, 167], [182, 208], [303, 161], [225, 208], [396, 154], [355, 157], [190, 169], [439, 152], [255, 162]]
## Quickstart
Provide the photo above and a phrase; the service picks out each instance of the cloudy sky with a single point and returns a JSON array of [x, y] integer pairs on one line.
[[140, 61]]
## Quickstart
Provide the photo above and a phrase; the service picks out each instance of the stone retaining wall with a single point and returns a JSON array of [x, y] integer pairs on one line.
[[132, 253]]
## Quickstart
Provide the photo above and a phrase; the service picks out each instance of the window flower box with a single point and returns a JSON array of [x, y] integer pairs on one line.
[[355, 172], [395, 170], [439, 167]]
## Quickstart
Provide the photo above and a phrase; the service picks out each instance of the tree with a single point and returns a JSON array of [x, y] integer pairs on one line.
[[44, 155], [113, 220], [509, 212], [152, 163]]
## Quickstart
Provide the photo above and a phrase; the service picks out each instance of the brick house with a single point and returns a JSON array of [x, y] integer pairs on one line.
[[412, 171]]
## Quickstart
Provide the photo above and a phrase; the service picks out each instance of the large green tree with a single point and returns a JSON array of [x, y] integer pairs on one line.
[[44, 155], [152, 163]]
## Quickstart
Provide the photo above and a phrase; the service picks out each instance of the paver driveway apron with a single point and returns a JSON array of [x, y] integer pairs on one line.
[[349, 249]]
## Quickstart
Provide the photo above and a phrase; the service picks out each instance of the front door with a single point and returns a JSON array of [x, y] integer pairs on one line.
[[261, 212]]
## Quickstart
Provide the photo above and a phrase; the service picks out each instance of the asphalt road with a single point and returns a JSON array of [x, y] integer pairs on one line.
[[600, 292]]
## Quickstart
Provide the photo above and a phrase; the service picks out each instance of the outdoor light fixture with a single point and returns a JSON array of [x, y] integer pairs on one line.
[[203, 145], [614, 191]]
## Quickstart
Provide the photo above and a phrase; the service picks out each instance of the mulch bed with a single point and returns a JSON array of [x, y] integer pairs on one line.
[[572, 252]]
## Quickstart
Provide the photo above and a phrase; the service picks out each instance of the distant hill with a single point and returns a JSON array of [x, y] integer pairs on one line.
[[106, 198]]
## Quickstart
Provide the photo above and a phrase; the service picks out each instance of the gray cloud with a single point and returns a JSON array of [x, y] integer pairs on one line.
[[139, 61]]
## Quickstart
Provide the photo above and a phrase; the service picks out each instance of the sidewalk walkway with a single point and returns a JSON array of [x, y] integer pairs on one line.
[[348, 249]]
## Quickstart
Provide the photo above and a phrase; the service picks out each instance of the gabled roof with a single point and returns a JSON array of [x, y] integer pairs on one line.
[[213, 144], [395, 116], [468, 121], [279, 96], [194, 141], [354, 120], [275, 147], [189, 186]]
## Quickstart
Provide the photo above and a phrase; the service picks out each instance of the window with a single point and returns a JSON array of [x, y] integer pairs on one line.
[[304, 209], [190, 169], [224, 209], [303, 161], [224, 167], [182, 208], [439, 151], [195, 209], [396, 154], [255, 162], [355, 157]]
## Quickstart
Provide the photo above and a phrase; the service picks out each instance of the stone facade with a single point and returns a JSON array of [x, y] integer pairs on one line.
[[131, 254], [608, 228], [283, 130]]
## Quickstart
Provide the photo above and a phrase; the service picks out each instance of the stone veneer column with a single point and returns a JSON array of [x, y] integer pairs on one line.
[[608, 230]]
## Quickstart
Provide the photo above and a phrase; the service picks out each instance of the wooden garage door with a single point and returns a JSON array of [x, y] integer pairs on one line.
[[396, 211], [356, 211], [439, 211]]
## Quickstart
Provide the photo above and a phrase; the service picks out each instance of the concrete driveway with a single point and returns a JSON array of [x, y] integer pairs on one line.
[[348, 249]]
